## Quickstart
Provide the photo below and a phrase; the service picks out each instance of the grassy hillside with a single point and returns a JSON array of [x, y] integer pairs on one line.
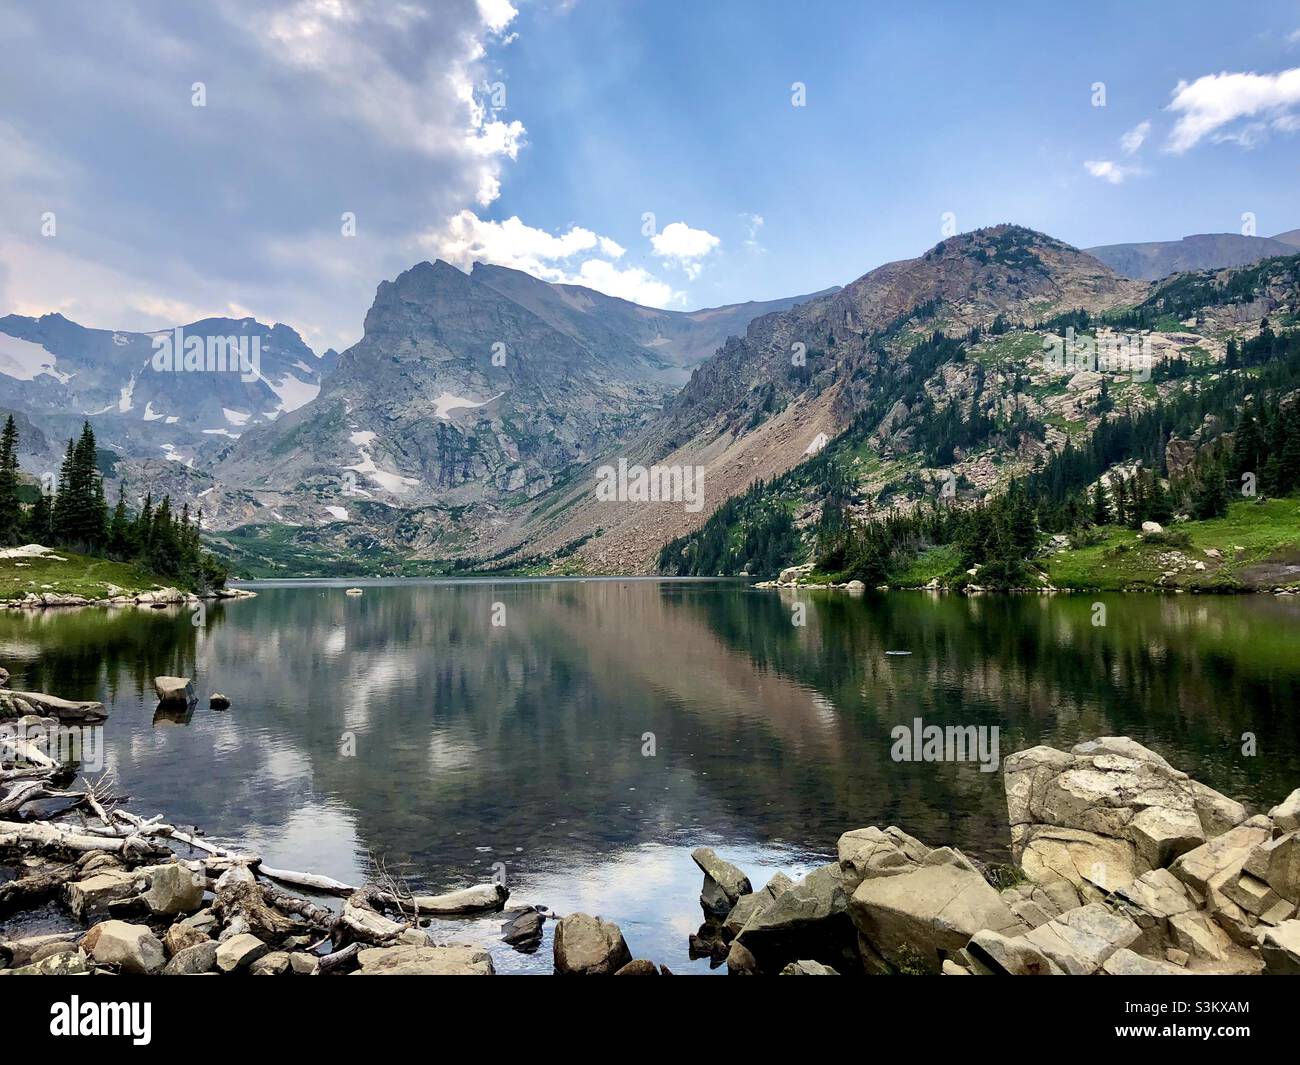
[[65, 573]]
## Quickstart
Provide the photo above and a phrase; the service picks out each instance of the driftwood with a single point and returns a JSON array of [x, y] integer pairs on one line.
[[35, 888], [20, 794], [242, 901], [65, 710], [338, 960], [50, 838]]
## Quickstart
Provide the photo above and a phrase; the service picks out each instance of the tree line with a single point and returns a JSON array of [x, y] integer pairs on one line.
[[74, 514]]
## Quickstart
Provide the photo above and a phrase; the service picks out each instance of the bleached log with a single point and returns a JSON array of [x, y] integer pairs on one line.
[[325, 885], [29, 890], [45, 836], [338, 960], [64, 709], [482, 898]]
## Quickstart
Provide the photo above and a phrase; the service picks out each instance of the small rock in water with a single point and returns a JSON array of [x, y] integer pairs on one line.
[[524, 932], [219, 701], [353, 591]]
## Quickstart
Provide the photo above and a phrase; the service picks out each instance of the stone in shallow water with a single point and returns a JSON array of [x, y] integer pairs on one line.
[[589, 946], [724, 883]]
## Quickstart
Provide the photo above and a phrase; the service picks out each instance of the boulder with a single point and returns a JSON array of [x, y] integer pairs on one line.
[[1080, 940], [454, 960], [174, 889], [1125, 962], [239, 952], [724, 884], [753, 903], [1123, 808], [913, 918], [807, 920], [66, 963], [870, 852], [101, 892], [274, 964], [1152, 527], [1008, 956], [639, 967], [302, 964], [1276, 862], [589, 946], [174, 690], [180, 936], [740, 962], [217, 701], [193, 960], [1211, 866], [1280, 948], [524, 931], [1286, 814], [131, 947]]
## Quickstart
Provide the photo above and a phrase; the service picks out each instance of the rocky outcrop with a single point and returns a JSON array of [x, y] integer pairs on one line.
[[1124, 866], [1104, 813]]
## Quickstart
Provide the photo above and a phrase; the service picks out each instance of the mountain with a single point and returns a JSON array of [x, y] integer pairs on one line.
[[753, 411], [679, 340], [1154, 260], [479, 391], [143, 404]]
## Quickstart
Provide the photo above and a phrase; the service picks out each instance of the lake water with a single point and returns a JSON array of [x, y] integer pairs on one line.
[[405, 725]]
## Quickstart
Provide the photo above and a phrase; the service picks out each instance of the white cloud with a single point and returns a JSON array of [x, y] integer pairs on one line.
[[497, 14], [1111, 171], [682, 246], [753, 223], [1134, 138], [1213, 101], [467, 239]]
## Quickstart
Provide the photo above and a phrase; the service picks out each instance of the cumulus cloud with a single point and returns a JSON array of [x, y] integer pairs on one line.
[[315, 108], [1212, 102], [1135, 138], [466, 239], [680, 245], [1110, 171]]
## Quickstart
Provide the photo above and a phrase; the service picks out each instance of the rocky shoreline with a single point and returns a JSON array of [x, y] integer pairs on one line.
[[1121, 864], [157, 598]]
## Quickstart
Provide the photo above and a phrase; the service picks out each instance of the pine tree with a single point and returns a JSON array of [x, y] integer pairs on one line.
[[10, 511], [119, 529], [1100, 509]]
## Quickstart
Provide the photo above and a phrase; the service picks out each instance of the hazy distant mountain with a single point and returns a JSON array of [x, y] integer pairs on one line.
[[1204, 251], [680, 340], [145, 405]]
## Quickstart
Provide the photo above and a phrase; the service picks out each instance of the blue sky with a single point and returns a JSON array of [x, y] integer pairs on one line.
[[541, 133]]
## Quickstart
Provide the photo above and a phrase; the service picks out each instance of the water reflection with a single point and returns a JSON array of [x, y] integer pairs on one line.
[[405, 724]]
